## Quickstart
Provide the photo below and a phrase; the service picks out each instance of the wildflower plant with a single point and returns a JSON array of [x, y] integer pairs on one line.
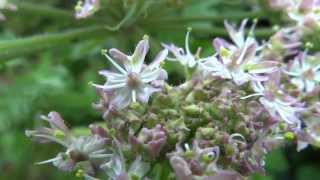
[[219, 124], [240, 101]]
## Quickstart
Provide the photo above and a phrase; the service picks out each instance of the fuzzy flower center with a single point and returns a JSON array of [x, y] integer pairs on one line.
[[133, 80], [309, 74]]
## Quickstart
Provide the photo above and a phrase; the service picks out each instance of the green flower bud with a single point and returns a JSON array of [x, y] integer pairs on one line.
[[133, 176], [229, 150], [58, 134], [170, 112], [190, 97], [207, 132], [224, 52], [289, 136], [207, 158], [200, 95], [188, 154], [79, 173], [163, 101], [192, 110], [213, 111], [137, 107]]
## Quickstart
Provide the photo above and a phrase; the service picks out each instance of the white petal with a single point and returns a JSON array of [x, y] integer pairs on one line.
[[298, 82], [119, 68]]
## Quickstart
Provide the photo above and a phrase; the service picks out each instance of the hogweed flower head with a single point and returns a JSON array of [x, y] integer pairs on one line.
[[86, 8], [238, 61], [135, 80], [232, 125]]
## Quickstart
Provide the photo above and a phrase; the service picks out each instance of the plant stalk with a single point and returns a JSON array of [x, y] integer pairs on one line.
[[16, 47]]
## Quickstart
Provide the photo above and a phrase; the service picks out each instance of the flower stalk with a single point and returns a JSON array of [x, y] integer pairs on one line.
[[11, 48]]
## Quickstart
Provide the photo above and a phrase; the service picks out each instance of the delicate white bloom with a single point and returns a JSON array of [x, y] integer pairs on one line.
[[185, 57], [313, 129], [89, 148], [135, 81], [276, 102], [280, 4], [4, 4], [85, 8], [116, 168], [305, 12], [238, 61], [305, 72]]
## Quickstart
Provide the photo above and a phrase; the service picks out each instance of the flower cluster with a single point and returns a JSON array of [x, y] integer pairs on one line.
[[241, 102]]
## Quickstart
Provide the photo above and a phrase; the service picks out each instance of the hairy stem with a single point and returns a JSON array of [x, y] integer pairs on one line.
[[15, 47]]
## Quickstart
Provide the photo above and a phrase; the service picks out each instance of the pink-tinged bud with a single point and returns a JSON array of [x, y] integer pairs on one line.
[[279, 4], [310, 21], [56, 122], [154, 139], [98, 130], [58, 131], [122, 176], [224, 175], [181, 168], [306, 6]]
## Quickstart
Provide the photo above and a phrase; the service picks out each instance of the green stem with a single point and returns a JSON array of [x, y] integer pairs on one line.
[[187, 73], [11, 48], [128, 16], [42, 10]]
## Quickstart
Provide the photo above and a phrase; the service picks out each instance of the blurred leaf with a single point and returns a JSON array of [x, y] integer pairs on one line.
[[276, 162], [308, 173]]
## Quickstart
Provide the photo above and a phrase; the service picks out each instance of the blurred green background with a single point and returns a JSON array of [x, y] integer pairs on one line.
[[48, 58]]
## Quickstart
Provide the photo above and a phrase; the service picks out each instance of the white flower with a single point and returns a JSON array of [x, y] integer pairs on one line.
[[85, 8], [276, 102], [305, 13], [305, 72], [116, 168], [185, 57], [238, 61], [135, 81]]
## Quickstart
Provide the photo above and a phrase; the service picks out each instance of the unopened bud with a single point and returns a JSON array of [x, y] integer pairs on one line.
[[192, 110], [289, 136]]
